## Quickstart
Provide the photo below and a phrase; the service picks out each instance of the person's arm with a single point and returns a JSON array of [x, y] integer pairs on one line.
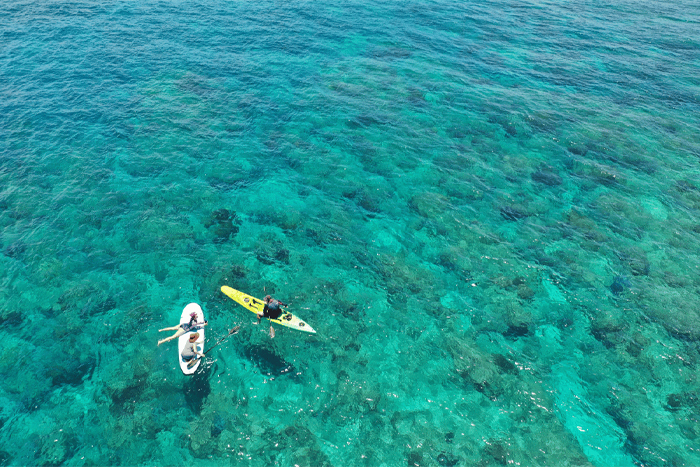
[[196, 352]]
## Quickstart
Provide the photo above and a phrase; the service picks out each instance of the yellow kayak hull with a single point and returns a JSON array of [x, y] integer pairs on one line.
[[256, 306]]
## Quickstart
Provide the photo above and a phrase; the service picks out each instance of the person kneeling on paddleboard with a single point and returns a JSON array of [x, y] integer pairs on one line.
[[190, 351], [180, 329], [272, 310]]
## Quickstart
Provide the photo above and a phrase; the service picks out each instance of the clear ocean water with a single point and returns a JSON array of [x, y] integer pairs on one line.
[[489, 211]]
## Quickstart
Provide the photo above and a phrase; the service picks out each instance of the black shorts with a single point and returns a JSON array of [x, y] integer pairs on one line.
[[272, 314]]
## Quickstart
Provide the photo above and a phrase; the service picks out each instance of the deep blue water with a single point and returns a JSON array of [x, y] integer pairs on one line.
[[489, 211]]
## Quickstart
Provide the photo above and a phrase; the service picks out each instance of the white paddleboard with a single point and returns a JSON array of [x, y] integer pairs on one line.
[[185, 338]]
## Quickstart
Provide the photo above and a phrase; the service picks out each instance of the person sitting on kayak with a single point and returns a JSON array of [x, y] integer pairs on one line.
[[190, 351], [180, 329], [272, 310]]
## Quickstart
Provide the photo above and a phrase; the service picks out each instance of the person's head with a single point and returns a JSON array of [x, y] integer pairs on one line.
[[194, 336], [267, 299], [193, 317]]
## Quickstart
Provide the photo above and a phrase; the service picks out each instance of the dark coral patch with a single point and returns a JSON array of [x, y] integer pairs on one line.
[[221, 222], [511, 213], [546, 177], [619, 285]]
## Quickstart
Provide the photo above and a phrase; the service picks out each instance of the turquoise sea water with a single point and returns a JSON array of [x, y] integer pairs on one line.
[[489, 211]]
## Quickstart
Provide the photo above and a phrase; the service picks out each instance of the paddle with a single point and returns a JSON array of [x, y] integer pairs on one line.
[[192, 362]]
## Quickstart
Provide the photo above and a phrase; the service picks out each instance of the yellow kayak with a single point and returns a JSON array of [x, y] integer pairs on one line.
[[256, 306]]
